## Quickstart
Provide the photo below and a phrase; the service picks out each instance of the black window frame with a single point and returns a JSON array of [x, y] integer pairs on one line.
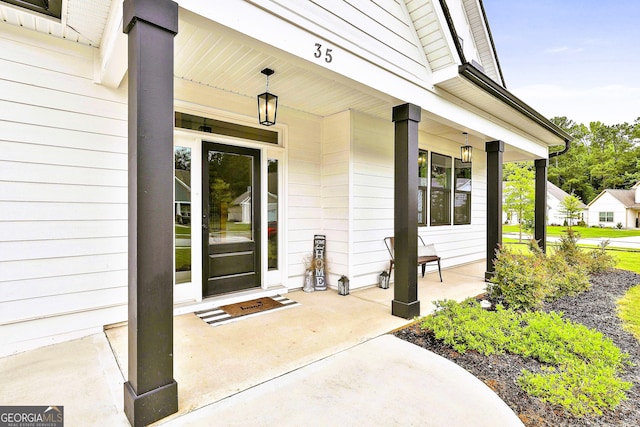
[[443, 192], [459, 165], [52, 8]]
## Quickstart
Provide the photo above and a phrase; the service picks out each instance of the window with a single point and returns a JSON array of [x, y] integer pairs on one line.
[[606, 216], [182, 212], [444, 177], [440, 189], [422, 187], [272, 214], [462, 198]]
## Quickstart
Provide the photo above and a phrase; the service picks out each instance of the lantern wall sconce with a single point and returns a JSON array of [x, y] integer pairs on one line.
[[267, 103], [466, 150]]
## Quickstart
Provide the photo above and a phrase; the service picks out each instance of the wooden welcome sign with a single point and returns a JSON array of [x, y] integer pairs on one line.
[[319, 244]]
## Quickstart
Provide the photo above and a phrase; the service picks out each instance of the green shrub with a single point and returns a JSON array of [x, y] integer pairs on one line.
[[525, 281], [565, 279], [593, 261], [600, 260], [520, 280], [581, 366]]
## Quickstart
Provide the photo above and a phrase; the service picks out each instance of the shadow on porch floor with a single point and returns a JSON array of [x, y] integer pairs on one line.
[[212, 363], [215, 363]]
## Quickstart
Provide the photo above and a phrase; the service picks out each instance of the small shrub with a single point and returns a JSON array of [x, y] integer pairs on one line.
[[594, 261], [565, 279], [619, 226], [520, 281], [600, 260]]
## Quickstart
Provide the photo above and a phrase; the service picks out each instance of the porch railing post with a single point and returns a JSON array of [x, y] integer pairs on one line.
[[405, 303], [150, 393], [540, 221], [494, 151]]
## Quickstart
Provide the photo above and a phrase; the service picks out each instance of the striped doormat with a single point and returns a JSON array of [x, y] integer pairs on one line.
[[229, 313]]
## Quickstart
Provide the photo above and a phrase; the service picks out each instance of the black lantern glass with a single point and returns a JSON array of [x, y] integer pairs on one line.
[[466, 150], [267, 103]]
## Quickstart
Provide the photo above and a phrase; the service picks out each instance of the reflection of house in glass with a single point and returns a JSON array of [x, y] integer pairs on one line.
[[182, 201], [240, 208]]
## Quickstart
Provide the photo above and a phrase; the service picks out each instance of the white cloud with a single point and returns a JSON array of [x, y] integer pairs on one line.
[[611, 104]]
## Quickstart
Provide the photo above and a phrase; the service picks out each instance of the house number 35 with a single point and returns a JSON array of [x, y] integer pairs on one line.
[[327, 53]]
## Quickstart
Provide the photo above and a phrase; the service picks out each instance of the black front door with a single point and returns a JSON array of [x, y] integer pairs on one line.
[[231, 218]]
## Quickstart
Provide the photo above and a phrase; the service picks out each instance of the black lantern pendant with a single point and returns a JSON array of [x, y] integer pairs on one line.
[[465, 151], [267, 103]]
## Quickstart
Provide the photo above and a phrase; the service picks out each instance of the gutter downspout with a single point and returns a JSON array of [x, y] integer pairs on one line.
[[567, 143]]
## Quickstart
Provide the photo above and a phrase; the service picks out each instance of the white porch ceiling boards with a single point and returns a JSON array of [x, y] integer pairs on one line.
[[219, 58], [213, 55]]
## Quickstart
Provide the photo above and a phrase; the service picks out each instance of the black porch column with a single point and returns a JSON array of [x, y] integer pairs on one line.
[[494, 151], [150, 393], [540, 221], [405, 302]]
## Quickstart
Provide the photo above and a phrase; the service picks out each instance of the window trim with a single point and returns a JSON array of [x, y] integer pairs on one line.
[[456, 191], [607, 215]]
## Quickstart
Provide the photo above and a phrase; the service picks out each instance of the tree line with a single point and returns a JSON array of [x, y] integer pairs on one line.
[[601, 157]]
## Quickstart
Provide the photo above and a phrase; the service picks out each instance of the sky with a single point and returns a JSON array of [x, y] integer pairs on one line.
[[573, 58]]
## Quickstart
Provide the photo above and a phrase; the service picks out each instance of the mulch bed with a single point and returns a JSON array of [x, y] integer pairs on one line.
[[595, 309]]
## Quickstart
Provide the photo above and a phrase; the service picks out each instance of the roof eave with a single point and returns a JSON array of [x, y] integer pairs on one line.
[[478, 78]]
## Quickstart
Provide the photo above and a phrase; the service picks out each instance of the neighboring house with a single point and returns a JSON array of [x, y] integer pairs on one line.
[[616, 208], [68, 176], [182, 197], [555, 216]]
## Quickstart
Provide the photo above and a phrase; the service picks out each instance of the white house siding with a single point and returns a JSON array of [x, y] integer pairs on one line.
[[372, 198], [336, 189], [375, 29], [304, 192], [430, 33], [607, 203], [554, 215], [63, 192]]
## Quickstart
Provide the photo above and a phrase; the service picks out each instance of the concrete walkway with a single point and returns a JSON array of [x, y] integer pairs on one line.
[[327, 361]]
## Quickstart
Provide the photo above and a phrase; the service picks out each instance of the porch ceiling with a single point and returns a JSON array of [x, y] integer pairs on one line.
[[210, 54], [213, 55]]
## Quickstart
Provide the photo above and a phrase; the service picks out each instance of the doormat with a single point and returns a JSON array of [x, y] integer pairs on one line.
[[232, 312]]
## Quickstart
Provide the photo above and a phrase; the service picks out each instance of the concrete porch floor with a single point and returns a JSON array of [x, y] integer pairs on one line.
[[224, 371]]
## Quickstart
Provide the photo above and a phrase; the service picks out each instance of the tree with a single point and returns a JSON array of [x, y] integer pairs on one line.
[[519, 194], [570, 207]]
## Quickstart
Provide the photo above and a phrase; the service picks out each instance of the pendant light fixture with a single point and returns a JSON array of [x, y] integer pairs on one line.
[[267, 103], [466, 150]]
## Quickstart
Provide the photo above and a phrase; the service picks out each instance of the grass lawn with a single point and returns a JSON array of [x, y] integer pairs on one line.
[[183, 259], [625, 259], [183, 230], [629, 311], [585, 232]]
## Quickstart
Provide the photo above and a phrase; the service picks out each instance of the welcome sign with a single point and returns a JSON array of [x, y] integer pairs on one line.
[[319, 245]]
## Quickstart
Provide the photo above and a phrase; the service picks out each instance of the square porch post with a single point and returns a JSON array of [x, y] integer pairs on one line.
[[540, 219], [494, 151], [405, 302], [150, 393]]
